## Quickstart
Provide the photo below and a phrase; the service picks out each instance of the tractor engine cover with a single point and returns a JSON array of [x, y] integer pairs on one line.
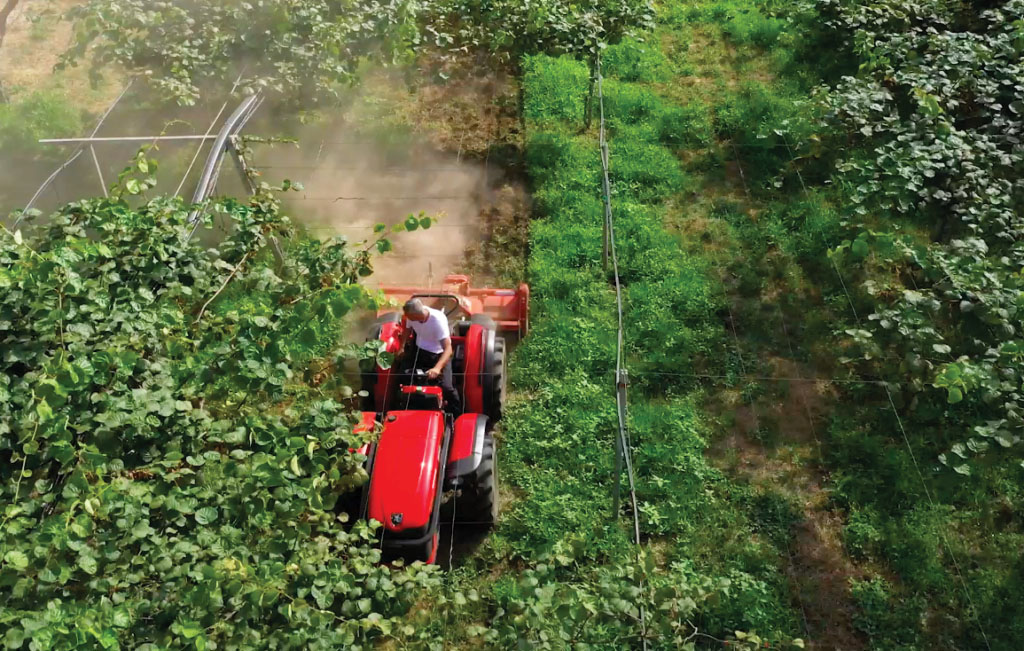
[[405, 478]]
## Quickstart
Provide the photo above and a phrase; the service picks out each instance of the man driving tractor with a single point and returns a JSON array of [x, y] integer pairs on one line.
[[433, 353]]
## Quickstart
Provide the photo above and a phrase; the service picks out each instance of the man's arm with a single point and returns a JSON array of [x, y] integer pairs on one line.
[[446, 355]]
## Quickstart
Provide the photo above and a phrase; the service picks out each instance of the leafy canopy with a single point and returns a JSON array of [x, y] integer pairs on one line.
[[169, 463], [932, 125], [512, 28], [308, 49], [305, 49]]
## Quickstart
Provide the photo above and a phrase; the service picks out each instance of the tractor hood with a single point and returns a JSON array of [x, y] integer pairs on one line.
[[405, 470]]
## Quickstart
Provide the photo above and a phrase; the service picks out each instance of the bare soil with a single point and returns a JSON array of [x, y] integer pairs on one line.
[[37, 34], [449, 150], [818, 568]]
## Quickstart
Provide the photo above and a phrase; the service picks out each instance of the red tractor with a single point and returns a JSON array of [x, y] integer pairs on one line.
[[428, 463]]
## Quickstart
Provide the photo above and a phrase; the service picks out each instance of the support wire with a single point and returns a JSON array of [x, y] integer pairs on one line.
[[73, 157], [899, 421], [623, 449]]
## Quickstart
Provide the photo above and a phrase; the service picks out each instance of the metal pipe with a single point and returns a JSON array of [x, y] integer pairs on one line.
[[99, 170], [45, 185], [62, 141], [208, 180]]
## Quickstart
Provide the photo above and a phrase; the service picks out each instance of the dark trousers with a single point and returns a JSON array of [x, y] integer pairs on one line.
[[424, 360]]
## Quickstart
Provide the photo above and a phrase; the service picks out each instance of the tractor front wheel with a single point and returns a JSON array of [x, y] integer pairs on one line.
[[478, 503]]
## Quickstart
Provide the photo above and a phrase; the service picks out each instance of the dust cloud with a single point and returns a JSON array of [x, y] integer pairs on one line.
[[351, 183], [355, 174]]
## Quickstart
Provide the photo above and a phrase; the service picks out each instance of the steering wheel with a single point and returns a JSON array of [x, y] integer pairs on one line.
[[451, 302], [420, 379]]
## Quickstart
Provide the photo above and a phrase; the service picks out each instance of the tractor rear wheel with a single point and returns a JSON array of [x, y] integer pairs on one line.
[[478, 504], [494, 363], [499, 380]]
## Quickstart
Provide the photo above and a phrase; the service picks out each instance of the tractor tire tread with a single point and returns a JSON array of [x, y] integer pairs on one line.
[[481, 497]]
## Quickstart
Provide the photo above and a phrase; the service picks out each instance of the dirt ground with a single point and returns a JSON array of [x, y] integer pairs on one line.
[[818, 567], [447, 150], [37, 34]]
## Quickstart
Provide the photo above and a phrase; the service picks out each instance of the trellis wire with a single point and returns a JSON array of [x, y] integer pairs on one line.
[[623, 449], [899, 421], [74, 156]]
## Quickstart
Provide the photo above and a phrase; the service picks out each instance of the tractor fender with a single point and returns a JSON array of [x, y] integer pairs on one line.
[[477, 388], [384, 386], [467, 447]]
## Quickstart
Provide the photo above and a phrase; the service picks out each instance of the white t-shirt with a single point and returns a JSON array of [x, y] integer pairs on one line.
[[430, 333]]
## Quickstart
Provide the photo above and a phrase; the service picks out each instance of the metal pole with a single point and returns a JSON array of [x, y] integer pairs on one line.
[[243, 167], [617, 486], [99, 171], [604, 248], [622, 442], [74, 156], [208, 180], [64, 141], [607, 189]]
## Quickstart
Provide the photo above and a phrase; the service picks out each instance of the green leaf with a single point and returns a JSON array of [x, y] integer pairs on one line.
[[108, 639], [206, 515], [189, 629], [954, 395], [14, 638], [859, 248], [87, 563], [16, 559], [340, 306], [43, 410]]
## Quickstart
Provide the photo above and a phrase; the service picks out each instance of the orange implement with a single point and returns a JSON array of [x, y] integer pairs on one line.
[[510, 308]]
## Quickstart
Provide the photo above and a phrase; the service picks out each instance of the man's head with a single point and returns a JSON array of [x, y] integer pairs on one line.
[[415, 309]]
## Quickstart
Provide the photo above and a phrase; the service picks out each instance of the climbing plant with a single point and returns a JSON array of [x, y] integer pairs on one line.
[[171, 447], [304, 50], [932, 125], [309, 50], [511, 29]]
